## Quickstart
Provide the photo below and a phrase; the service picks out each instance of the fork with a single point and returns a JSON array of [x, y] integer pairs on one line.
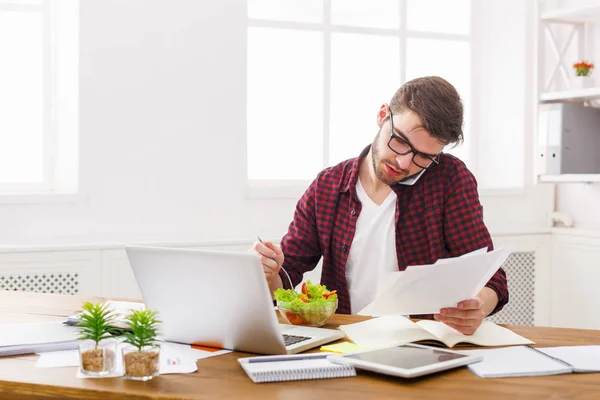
[[280, 266]]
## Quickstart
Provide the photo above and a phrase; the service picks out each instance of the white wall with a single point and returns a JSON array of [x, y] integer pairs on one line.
[[162, 132], [581, 201], [503, 115]]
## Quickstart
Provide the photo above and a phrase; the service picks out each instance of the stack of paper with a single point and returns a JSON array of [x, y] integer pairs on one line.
[[36, 337], [425, 289], [120, 309]]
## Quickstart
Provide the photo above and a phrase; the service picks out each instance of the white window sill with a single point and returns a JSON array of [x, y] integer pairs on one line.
[[295, 190], [43, 198], [292, 189], [502, 192]]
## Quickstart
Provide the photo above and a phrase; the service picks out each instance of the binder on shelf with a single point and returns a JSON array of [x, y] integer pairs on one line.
[[294, 368]]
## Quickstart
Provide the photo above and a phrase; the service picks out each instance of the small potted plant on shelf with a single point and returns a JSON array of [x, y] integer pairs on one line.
[[98, 348], [583, 70], [141, 357]]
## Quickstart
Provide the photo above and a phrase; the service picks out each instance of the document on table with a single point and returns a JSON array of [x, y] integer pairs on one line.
[[34, 337], [425, 289], [120, 310], [529, 361]]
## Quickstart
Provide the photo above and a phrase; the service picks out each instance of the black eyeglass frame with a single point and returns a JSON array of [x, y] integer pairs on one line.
[[411, 149]]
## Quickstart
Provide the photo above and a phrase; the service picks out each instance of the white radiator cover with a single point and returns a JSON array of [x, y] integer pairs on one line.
[[105, 271], [520, 274], [53, 282]]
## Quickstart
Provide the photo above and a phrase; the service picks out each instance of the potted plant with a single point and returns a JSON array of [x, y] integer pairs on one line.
[[583, 68], [141, 357], [583, 71], [98, 348]]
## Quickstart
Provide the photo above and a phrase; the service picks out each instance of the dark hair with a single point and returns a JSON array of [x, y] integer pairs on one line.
[[438, 104]]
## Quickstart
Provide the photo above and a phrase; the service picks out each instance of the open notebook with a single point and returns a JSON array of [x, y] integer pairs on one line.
[[390, 330], [529, 361]]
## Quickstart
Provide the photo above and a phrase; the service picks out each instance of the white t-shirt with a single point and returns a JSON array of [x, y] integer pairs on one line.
[[373, 252]]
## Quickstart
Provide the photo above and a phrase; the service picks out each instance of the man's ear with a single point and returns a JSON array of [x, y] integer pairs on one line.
[[382, 114]]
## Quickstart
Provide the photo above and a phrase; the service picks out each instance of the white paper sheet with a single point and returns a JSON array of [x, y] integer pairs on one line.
[[35, 333], [33, 337], [55, 359], [426, 289]]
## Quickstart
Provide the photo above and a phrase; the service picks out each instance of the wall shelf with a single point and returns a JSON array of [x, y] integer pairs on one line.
[[573, 15], [571, 95], [573, 178]]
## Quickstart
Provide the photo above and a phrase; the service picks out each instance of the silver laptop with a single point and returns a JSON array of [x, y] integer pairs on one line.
[[219, 299]]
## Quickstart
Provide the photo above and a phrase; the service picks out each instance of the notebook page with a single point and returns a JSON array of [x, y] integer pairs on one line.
[[384, 331], [581, 358], [514, 361], [488, 334]]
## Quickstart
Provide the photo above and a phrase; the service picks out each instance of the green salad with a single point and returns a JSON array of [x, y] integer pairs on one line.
[[310, 294], [313, 305]]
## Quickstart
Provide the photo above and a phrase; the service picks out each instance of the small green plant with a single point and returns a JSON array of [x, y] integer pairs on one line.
[[143, 325], [95, 321]]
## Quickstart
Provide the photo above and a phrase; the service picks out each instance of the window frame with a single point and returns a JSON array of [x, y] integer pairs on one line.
[[293, 188], [47, 10]]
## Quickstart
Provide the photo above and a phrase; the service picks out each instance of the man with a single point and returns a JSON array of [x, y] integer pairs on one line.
[[401, 202]]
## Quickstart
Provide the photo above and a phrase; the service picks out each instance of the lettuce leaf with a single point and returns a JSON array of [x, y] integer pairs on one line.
[[314, 299]]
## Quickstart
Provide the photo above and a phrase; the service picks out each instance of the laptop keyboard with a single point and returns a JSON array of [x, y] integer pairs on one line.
[[293, 339]]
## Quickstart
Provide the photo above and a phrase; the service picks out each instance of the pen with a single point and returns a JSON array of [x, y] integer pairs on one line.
[[280, 266], [297, 357]]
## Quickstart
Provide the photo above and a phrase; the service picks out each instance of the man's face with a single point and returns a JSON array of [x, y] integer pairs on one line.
[[390, 167]]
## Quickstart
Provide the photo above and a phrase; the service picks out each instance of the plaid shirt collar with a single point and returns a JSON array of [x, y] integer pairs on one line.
[[351, 179]]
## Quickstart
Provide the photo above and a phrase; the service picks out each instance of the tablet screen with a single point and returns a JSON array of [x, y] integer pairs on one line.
[[406, 357]]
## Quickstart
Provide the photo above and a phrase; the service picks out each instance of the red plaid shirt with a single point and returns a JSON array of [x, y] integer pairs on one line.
[[438, 217]]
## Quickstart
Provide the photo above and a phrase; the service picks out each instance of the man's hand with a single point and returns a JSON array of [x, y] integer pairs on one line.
[[469, 314], [271, 258]]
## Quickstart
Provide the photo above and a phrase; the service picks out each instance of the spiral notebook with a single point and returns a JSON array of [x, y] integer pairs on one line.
[[294, 368], [529, 361]]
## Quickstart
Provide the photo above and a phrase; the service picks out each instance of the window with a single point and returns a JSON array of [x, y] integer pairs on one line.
[[319, 70], [38, 77]]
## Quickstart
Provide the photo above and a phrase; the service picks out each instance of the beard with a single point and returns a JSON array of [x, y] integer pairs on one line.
[[378, 165]]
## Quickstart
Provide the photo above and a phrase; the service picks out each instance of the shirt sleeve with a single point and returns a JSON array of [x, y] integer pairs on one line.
[[465, 230], [301, 245]]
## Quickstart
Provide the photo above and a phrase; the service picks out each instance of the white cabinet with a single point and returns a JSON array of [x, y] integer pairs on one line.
[[575, 278], [565, 35]]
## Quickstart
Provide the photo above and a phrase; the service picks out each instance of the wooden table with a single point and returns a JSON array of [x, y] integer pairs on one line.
[[222, 377]]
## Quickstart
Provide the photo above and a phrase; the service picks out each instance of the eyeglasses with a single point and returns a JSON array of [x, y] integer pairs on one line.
[[402, 147]]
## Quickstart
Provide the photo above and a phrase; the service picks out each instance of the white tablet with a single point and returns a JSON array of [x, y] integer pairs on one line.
[[406, 361]]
